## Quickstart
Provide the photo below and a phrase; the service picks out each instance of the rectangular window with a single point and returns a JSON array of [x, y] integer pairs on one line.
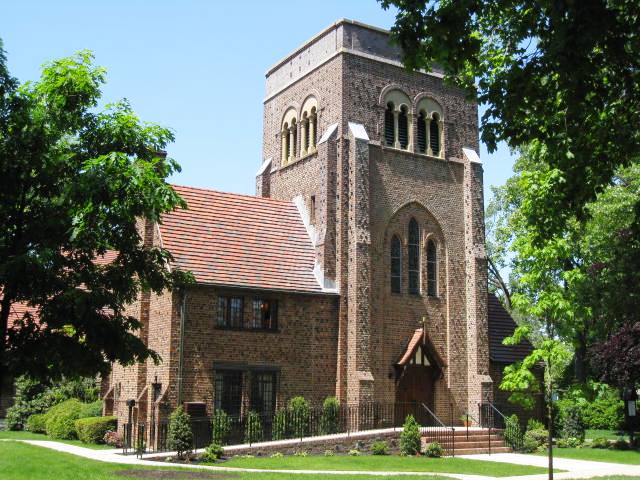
[[265, 314], [228, 391], [312, 210], [230, 312], [263, 392]]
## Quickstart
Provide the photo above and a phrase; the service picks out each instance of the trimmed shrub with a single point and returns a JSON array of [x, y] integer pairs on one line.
[[279, 427], [221, 427], [212, 453], [253, 428], [600, 442], [571, 442], [113, 438], [539, 436], [603, 414], [300, 411], [37, 423], [529, 444], [533, 424], [434, 450], [380, 448], [93, 409], [572, 424], [60, 423], [93, 429], [330, 416], [180, 436], [410, 437]]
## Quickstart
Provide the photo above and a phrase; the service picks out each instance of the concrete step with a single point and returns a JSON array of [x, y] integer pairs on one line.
[[471, 438], [476, 451]]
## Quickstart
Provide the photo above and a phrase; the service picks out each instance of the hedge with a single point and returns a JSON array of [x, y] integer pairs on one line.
[[37, 423], [93, 409], [93, 429], [61, 418]]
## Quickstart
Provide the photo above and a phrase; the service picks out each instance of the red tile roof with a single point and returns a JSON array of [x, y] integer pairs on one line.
[[419, 338], [240, 240]]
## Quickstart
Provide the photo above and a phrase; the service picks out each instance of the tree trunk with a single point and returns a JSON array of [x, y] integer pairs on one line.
[[5, 308], [550, 418]]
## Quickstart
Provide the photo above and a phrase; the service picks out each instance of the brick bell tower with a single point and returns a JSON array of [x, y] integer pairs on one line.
[[382, 165]]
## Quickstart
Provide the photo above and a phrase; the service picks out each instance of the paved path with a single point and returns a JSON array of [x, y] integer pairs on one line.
[[575, 468]]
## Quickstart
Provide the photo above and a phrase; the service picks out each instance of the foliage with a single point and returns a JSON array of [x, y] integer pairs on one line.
[[572, 423], [221, 427], [540, 437], [301, 453], [253, 428], [279, 427], [113, 438], [621, 444], [93, 429], [93, 409], [276, 455], [74, 181], [533, 424], [35, 396], [37, 423], [212, 453], [569, 442], [354, 452], [604, 414], [617, 360], [529, 444], [410, 437], [600, 442], [329, 453], [300, 411], [562, 74], [330, 416], [434, 450], [60, 423], [513, 432], [179, 435], [380, 447]]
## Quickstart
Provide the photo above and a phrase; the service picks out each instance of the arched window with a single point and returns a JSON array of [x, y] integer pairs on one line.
[[304, 134], [432, 269], [403, 127], [293, 139], [308, 126], [414, 257], [288, 137], [422, 132], [396, 265], [434, 135], [389, 135], [313, 128]]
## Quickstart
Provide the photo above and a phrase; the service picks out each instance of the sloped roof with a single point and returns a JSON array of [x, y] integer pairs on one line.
[[501, 325], [241, 241], [419, 338]]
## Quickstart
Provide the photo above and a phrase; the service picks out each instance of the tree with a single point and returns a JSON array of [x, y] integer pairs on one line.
[[74, 182], [565, 74], [179, 434], [617, 359]]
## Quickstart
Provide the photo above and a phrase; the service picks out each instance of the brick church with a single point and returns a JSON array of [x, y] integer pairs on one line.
[[357, 270]]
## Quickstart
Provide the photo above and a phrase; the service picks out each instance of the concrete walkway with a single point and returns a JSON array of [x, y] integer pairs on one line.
[[574, 468]]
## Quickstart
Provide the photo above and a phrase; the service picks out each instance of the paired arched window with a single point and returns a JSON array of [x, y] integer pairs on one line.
[[396, 265], [429, 128], [305, 130], [397, 120], [309, 126], [414, 257], [389, 129], [432, 269]]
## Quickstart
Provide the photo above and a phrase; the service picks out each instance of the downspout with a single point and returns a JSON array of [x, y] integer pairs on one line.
[[183, 317]]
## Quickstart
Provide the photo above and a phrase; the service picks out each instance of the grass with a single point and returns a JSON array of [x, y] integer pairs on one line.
[[9, 435], [608, 434], [19, 461], [388, 463], [629, 457]]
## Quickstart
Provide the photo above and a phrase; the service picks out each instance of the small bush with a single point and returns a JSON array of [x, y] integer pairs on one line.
[[113, 438], [540, 437], [221, 427], [329, 453], [354, 452], [212, 453], [572, 423], [512, 432], [60, 423], [253, 428], [600, 442], [410, 437], [180, 436], [93, 409], [570, 442], [301, 453], [621, 444], [533, 424], [279, 426], [93, 429], [434, 450], [380, 448], [604, 413], [330, 416], [529, 444], [276, 455], [37, 423], [300, 411]]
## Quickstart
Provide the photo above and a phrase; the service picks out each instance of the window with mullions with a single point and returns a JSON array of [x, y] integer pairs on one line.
[[265, 314], [230, 312], [263, 392], [396, 265], [432, 269], [414, 257], [228, 391]]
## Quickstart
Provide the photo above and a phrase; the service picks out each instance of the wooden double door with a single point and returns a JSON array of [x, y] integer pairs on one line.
[[416, 387]]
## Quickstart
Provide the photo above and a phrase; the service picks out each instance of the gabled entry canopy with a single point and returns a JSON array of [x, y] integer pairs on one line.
[[421, 352]]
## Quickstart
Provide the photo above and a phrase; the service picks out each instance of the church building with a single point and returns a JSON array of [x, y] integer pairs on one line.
[[357, 270]]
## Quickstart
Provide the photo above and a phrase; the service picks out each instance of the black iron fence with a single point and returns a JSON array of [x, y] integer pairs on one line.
[[285, 424], [496, 422]]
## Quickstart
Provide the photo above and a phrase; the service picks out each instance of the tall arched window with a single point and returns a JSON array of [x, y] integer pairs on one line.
[[403, 127], [432, 269], [293, 139], [308, 126], [389, 135], [414, 257], [396, 265], [286, 148], [313, 128], [422, 132], [434, 135], [289, 137]]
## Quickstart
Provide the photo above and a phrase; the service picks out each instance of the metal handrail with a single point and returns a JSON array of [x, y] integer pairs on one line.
[[468, 415], [508, 424], [437, 419]]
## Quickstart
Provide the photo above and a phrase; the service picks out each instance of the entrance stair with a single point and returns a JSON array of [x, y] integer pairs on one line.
[[473, 440]]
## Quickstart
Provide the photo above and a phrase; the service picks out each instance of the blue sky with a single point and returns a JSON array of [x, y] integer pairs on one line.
[[194, 66]]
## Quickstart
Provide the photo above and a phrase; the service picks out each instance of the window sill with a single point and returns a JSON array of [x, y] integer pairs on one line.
[[295, 161], [412, 152], [252, 330]]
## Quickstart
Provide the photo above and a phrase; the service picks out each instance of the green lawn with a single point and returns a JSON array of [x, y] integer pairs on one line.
[[608, 434], [388, 463], [630, 457], [7, 434], [19, 461]]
